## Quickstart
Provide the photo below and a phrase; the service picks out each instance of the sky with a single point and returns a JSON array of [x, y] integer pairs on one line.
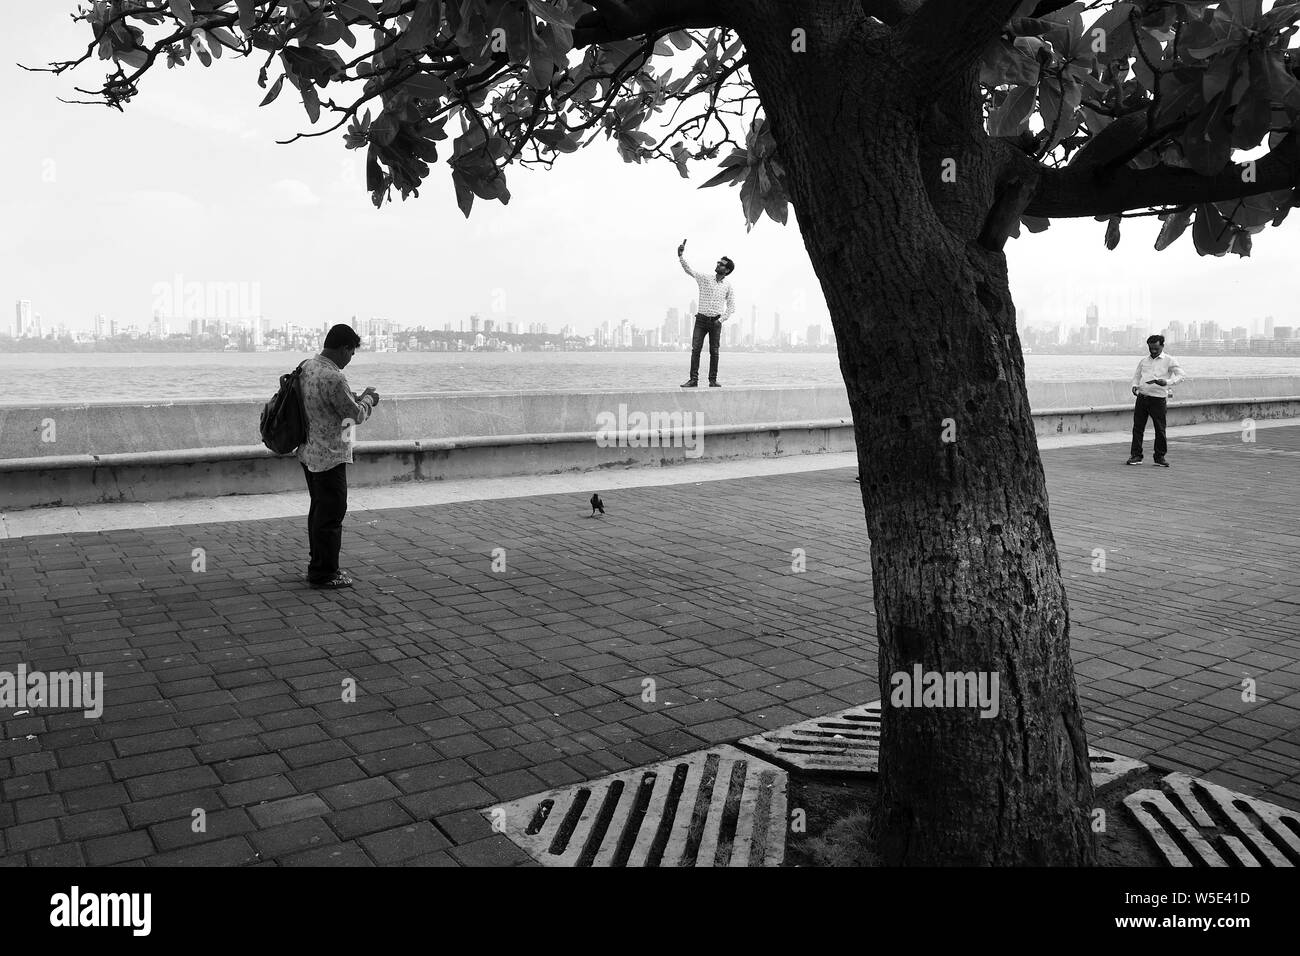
[[100, 211]]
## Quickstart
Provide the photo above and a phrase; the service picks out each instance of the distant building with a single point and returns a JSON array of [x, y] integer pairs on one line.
[[22, 318]]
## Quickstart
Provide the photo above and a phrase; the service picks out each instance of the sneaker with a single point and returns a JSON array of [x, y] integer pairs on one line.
[[715, 385], [691, 384], [1162, 463], [1134, 460], [338, 581]]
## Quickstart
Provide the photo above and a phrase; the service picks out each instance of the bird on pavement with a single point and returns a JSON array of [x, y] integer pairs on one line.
[[596, 505]]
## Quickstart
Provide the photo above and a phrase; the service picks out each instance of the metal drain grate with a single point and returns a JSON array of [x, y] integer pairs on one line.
[[718, 807], [849, 742], [1209, 825], [1109, 768]]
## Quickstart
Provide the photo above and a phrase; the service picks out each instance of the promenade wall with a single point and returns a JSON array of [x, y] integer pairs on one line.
[[69, 454]]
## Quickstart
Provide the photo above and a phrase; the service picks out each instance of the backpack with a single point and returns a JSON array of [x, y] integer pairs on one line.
[[284, 418]]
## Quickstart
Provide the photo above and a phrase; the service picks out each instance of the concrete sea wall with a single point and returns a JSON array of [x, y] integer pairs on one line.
[[71, 454]]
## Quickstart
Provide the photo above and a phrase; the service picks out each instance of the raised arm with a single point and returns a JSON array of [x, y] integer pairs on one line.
[[686, 266]]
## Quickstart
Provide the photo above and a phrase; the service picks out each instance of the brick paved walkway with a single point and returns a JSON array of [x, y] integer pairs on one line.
[[224, 686]]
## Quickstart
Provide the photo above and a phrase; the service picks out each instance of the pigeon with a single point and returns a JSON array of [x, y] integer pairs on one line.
[[596, 505]]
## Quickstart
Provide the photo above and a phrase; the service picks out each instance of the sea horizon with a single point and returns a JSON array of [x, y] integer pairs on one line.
[[63, 377]]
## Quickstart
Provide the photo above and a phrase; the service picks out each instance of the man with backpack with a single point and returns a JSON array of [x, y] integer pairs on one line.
[[332, 412]]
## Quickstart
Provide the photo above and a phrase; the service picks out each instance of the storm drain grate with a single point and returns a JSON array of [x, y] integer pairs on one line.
[[1197, 823], [718, 807], [849, 742]]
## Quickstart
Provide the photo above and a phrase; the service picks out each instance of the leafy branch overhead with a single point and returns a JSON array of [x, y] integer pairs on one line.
[[1111, 107]]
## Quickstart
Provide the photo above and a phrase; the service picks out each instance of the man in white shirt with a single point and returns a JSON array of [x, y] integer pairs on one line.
[[1151, 385], [717, 303]]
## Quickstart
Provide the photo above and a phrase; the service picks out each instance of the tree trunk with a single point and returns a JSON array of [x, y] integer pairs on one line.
[[964, 566]]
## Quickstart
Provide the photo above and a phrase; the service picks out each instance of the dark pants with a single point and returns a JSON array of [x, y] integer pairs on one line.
[[711, 326], [1154, 408], [329, 503]]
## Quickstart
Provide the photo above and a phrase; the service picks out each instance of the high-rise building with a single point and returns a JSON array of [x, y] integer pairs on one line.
[[1092, 322], [672, 326], [776, 329], [475, 320], [22, 318], [814, 336], [1268, 326]]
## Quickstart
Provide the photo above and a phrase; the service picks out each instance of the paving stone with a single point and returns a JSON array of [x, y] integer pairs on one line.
[[233, 851], [288, 810], [404, 842], [289, 838]]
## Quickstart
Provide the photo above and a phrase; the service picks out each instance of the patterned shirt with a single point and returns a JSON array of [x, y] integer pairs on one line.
[[1163, 366], [716, 298], [331, 408]]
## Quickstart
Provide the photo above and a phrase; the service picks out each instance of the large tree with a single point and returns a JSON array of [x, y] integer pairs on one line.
[[913, 138]]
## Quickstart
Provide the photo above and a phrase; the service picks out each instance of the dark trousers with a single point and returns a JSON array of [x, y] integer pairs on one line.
[[1153, 408], [329, 503], [710, 325]]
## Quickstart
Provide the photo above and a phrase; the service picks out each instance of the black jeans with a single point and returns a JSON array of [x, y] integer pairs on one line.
[[1155, 409], [329, 503], [710, 325]]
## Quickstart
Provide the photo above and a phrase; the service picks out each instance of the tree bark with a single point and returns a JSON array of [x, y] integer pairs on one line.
[[964, 566]]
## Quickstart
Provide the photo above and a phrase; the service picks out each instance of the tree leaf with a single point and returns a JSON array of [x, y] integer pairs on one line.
[[732, 174], [1112, 232], [1174, 225], [1211, 232], [464, 194], [426, 86], [1012, 117], [184, 13], [359, 10], [274, 91], [246, 15], [311, 101]]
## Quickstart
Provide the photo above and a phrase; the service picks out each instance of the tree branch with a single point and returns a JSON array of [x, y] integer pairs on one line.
[[1078, 191], [948, 36], [615, 20]]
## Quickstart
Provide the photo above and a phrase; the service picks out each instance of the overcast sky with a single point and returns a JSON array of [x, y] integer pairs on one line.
[[99, 208]]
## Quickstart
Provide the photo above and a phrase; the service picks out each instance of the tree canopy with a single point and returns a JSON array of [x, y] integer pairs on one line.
[[1113, 108]]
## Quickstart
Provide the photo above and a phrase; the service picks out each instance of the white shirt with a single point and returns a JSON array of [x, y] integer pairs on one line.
[[1162, 366], [716, 298]]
